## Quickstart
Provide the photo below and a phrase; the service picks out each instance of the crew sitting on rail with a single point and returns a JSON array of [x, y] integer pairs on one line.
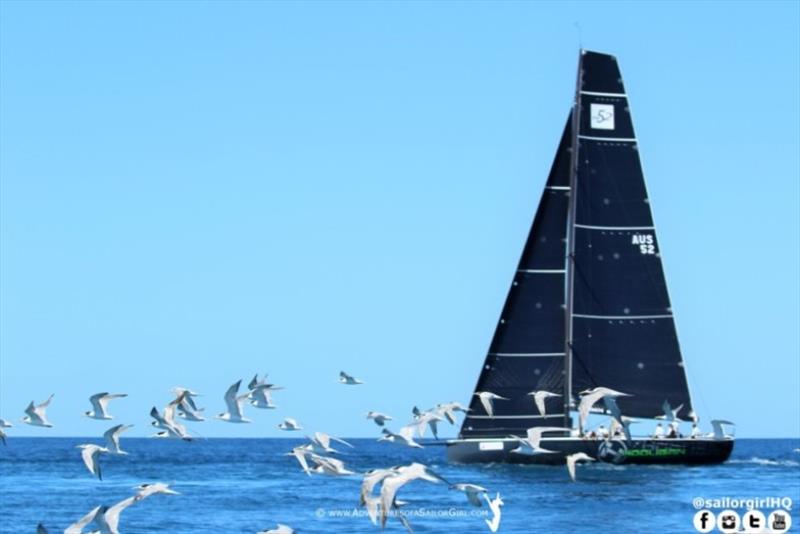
[[673, 431], [659, 432]]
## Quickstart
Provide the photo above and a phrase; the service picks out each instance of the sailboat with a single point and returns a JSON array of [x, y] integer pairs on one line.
[[588, 308]]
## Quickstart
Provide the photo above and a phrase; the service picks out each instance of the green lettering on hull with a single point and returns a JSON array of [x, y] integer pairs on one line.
[[666, 451]]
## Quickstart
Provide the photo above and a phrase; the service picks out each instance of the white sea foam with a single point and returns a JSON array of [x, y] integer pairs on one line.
[[755, 460]]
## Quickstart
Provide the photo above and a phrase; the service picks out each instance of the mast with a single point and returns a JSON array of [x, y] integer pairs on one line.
[[570, 263]]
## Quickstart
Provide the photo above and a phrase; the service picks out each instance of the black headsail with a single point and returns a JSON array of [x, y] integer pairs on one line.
[[527, 351], [588, 305], [622, 329]]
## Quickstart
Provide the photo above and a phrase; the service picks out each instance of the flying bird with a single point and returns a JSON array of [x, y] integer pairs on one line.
[[670, 414], [405, 437], [448, 410], [78, 526], [329, 466], [5, 424], [539, 398], [146, 490], [346, 379], [112, 438], [186, 407], [290, 424], [261, 398], [379, 418], [531, 444], [487, 399], [402, 476], [589, 398], [91, 457], [108, 518], [100, 405], [573, 459], [36, 414], [372, 478], [255, 383], [260, 393], [427, 419], [300, 452], [234, 403], [719, 430], [322, 442], [167, 423]]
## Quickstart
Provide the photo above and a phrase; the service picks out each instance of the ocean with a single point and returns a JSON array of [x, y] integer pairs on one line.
[[248, 485]]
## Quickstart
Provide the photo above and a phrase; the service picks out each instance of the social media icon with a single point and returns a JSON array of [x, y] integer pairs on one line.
[[704, 521], [754, 521], [779, 521], [728, 521]]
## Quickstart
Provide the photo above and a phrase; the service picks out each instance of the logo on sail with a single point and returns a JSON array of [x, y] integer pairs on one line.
[[602, 116], [494, 505], [645, 242]]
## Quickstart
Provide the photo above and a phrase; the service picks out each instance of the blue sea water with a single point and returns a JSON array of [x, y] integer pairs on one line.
[[246, 485]]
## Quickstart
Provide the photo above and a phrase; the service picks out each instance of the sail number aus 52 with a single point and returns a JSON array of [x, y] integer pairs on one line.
[[645, 242]]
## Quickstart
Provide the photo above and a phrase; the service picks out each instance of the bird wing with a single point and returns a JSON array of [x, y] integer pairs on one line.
[[112, 436], [487, 404], [369, 481], [301, 458], [232, 401], [253, 383], [90, 455], [98, 405], [538, 398], [587, 401], [388, 492], [46, 403], [434, 428], [323, 440], [111, 516], [535, 434], [407, 432], [77, 527], [404, 521], [472, 497], [30, 411], [571, 466], [372, 504], [340, 440]]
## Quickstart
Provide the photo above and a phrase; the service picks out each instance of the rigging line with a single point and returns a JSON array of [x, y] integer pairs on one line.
[[576, 356]]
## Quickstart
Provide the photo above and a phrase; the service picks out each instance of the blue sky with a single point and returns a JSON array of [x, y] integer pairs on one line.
[[194, 192]]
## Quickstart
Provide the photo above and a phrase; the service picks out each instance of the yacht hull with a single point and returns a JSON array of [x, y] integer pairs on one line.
[[636, 451]]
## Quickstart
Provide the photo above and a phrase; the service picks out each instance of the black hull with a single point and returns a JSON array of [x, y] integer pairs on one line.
[[636, 451]]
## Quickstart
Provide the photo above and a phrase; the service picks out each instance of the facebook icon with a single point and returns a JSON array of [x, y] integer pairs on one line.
[[704, 521]]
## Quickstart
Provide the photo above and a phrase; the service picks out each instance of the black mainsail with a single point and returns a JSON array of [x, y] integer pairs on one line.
[[527, 351], [588, 305]]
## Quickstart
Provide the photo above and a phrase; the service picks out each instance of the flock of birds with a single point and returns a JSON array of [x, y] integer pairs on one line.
[[317, 456]]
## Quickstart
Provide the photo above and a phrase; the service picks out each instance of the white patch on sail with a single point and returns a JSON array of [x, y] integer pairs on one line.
[[602, 116]]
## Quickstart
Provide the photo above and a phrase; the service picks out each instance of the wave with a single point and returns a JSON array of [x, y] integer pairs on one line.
[[755, 460]]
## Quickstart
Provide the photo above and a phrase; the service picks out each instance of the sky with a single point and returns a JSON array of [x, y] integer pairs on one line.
[[191, 193]]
